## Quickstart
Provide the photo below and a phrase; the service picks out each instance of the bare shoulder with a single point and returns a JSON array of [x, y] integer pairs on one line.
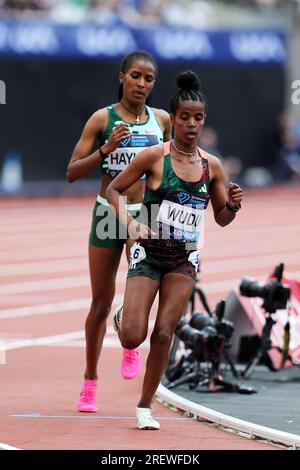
[[148, 160], [215, 164], [153, 153], [162, 115], [99, 118]]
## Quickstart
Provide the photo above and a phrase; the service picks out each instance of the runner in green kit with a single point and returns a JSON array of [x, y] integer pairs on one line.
[[123, 130], [180, 180]]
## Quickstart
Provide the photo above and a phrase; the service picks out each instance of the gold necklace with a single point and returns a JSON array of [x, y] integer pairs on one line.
[[196, 157], [137, 116]]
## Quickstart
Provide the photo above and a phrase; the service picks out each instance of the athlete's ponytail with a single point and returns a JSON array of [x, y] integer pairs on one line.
[[189, 89]]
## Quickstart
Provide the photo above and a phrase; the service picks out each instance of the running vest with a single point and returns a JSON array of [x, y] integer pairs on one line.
[[143, 135], [177, 206]]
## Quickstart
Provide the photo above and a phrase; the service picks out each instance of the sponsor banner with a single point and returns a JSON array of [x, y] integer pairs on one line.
[[92, 41]]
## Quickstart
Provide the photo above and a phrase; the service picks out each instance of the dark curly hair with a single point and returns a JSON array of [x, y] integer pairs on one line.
[[189, 89]]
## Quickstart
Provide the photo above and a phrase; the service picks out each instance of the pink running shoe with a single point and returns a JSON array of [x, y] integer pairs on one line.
[[131, 364], [87, 399]]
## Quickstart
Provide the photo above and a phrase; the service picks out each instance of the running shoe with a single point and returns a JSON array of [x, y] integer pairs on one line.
[[87, 400], [145, 419], [131, 363], [117, 317]]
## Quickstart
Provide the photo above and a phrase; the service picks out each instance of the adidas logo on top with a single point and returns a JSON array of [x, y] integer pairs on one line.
[[203, 189]]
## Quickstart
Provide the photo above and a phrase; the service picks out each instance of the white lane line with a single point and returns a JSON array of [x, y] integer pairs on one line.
[[37, 415], [58, 307], [232, 284], [46, 214], [70, 250], [46, 266], [43, 341], [81, 263], [84, 281], [168, 397], [44, 309], [41, 238], [62, 339], [45, 285], [110, 342], [7, 447], [254, 262]]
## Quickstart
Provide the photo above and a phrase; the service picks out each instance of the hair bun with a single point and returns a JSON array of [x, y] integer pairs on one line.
[[188, 81]]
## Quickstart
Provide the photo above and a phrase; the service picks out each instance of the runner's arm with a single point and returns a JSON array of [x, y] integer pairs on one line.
[[143, 163], [220, 195]]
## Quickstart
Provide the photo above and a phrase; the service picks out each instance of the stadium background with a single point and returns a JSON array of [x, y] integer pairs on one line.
[[60, 62]]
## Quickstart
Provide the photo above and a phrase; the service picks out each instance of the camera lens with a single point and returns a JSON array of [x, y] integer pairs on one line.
[[251, 288], [200, 320]]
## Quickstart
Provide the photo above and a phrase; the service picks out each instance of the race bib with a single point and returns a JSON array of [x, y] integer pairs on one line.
[[137, 254], [128, 150], [181, 216]]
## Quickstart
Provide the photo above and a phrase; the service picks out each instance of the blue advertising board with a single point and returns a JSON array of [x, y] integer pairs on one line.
[[94, 41]]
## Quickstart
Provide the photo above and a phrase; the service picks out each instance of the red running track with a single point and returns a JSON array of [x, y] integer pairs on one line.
[[44, 298]]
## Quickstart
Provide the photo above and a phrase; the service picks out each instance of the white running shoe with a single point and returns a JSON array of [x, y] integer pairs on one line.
[[145, 419], [117, 317]]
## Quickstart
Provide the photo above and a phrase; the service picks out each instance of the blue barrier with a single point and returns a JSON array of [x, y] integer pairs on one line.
[[93, 41]]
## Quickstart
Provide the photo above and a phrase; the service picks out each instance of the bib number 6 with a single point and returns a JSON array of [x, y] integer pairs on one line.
[[137, 254]]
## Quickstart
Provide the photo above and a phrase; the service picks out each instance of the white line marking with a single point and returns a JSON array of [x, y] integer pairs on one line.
[[42, 341], [81, 263], [45, 285], [83, 281], [7, 447], [58, 307], [232, 284], [70, 250], [36, 415], [179, 402], [108, 342], [246, 262], [69, 305], [46, 266], [62, 338], [2, 353]]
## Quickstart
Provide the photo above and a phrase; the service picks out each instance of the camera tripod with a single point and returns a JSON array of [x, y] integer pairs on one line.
[[270, 305], [265, 345], [212, 377], [189, 370]]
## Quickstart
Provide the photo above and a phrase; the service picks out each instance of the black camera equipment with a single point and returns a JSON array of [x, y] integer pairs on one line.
[[206, 338], [275, 296]]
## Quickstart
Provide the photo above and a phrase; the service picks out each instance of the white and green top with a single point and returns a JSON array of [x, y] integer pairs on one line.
[[142, 136]]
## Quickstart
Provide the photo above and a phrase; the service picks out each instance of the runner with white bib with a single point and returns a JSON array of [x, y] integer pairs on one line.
[[181, 179]]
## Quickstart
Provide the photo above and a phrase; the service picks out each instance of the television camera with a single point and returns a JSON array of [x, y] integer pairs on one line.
[[206, 339], [275, 296]]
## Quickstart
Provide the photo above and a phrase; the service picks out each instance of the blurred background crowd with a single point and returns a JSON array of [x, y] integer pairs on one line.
[[263, 147], [171, 12]]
